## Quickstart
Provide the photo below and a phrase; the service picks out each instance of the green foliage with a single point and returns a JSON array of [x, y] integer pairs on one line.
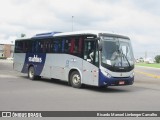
[[157, 58], [154, 65], [2, 57]]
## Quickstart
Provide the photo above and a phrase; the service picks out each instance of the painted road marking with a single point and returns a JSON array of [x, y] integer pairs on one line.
[[148, 74]]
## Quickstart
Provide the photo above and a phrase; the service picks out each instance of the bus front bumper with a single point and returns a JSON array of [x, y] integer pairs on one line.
[[115, 81]]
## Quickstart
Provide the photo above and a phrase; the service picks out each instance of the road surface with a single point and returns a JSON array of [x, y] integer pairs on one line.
[[18, 93]]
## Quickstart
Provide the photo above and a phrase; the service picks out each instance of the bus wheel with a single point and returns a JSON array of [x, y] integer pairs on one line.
[[31, 73], [75, 79]]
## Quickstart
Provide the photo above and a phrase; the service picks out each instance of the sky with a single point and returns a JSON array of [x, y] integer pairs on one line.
[[137, 19]]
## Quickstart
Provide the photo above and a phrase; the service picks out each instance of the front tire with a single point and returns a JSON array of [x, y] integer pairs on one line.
[[75, 79]]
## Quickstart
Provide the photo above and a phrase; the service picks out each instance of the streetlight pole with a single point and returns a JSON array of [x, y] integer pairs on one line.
[[72, 22]]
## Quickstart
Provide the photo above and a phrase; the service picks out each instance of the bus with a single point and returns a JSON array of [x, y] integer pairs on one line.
[[94, 58]]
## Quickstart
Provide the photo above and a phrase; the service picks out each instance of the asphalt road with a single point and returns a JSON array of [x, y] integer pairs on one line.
[[155, 71], [18, 93]]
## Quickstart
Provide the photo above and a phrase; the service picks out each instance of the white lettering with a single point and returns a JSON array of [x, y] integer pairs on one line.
[[35, 58], [132, 115], [34, 115], [19, 114], [149, 115], [103, 114]]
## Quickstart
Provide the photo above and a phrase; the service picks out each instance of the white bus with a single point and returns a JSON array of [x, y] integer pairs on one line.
[[83, 57]]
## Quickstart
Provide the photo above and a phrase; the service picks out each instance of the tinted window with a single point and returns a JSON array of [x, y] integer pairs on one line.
[[23, 46], [69, 45], [89, 49], [18, 47], [57, 46], [75, 46]]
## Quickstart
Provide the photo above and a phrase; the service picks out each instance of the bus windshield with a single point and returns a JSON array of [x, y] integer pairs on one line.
[[117, 54]]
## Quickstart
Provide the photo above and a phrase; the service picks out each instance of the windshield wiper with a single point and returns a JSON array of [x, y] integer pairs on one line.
[[126, 59], [121, 54]]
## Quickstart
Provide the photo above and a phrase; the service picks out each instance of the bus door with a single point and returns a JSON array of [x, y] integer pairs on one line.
[[91, 62]]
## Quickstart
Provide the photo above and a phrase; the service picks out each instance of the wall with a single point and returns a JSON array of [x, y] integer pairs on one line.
[[6, 50]]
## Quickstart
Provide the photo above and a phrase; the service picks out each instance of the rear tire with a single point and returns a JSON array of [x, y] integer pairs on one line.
[[75, 79], [31, 73]]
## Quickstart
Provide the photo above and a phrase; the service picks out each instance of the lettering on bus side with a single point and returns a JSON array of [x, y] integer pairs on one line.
[[35, 58]]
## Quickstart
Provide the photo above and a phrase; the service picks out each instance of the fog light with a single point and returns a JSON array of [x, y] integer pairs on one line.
[[132, 75]]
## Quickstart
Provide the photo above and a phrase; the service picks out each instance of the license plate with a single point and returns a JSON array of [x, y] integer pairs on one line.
[[121, 82]]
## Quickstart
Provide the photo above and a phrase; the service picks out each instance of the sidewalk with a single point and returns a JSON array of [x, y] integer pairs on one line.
[[6, 61]]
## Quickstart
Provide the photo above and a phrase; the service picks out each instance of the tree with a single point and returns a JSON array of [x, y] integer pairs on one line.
[[23, 35], [157, 58]]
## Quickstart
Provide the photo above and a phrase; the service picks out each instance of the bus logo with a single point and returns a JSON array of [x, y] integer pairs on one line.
[[6, 114], [35, 58]]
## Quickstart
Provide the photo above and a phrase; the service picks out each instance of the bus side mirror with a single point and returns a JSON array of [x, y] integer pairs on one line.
[[100, 45]]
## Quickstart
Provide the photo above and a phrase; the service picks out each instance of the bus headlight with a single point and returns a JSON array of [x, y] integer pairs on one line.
[[106, 74], [132, 75]]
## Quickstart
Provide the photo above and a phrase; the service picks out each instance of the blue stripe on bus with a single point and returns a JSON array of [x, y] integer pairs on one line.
[[35, 59]]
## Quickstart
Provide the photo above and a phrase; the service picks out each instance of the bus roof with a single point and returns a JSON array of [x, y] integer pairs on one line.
[[87, 32], [44, 35], [84, 32]]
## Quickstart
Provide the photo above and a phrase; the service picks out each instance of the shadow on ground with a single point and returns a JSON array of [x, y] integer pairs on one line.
[[113, 89]]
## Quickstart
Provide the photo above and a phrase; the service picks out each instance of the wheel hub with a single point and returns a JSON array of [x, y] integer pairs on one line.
[[76, 79]]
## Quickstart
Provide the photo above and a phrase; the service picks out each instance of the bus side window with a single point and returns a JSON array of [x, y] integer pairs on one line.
[[96, 55], [75, 46], [44, 48], [80, 45], [49, 46], [26, 50], [72, 43], [66, 45], [29, 48], [18, 47], [24, 47], [36, 45], [63, 45], [89, 50], [40, 47], [57, 46]]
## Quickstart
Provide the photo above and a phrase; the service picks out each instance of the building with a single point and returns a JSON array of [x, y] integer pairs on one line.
[[6, 50], [149, 60]]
